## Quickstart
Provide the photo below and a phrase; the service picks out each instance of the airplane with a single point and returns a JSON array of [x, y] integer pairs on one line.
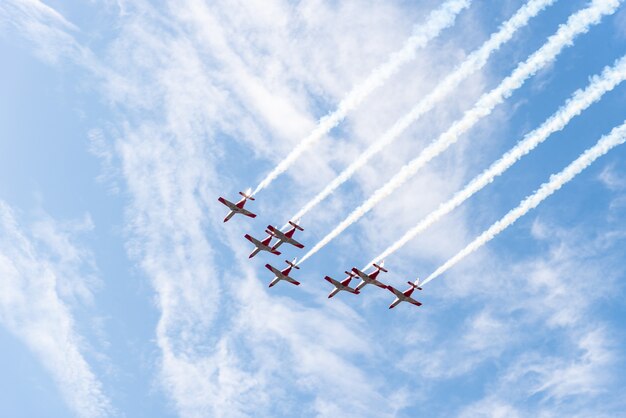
[[263, 245], [238, 207], [343, 285], [283, 274], [404, 296], [371, 278], [286, 236]]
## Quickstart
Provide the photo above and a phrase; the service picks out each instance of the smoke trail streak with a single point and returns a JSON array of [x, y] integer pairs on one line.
[[437, 21], [474, 62], [577, 24], [580, 101], [606, 143]]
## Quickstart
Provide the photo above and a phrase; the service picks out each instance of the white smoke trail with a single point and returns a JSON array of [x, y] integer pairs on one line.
[[606, 143], [580, 101], [437, 21], [577, 24], [474, 62]]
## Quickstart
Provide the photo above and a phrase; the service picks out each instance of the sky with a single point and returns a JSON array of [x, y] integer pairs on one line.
[[123, 294]]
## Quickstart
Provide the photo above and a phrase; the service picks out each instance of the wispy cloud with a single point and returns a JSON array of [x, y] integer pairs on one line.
[[48, 30], [611, 179], [606, 143], [474, 62], [577, 24], [580, 101], [39, 272], [535, 321], [570, 376], [438, 20]]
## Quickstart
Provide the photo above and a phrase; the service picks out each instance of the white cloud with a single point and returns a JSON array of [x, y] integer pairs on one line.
[[39, 274], [552, 297], [192, 83], [612, 179], [102, 149], [41, 24]]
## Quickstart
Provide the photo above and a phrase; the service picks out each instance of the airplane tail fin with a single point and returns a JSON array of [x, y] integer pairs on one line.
[[413, 285], [417, 284], [293, 263], [380, 267], [350, 273], [295, 225], [247, 194]]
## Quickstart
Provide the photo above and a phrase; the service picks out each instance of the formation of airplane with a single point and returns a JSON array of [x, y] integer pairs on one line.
[[282, 237], [287, 237], [238, 207], [283, 274]]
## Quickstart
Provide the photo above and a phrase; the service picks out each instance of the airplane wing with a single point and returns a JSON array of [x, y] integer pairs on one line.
[[277, 233], [292, 281], [414, 302], [274, 270], [246, 212], [333, 282], [230, 205], [396, 292], [253, 240], [377, 283], [362, 275], [295, 243]]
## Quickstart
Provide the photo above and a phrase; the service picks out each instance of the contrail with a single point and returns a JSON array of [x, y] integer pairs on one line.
[[474, 62], [437, 21], [606, 143], [580, 101], [578, 23]]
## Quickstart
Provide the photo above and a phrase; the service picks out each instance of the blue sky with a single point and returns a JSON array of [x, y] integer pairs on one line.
[[124, 294]]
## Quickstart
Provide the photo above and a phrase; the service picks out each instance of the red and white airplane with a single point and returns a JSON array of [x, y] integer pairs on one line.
[[371, 278], [238, 207], [406, 295], [343, 285], [263, 245], [286, 236], [283, 274]]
